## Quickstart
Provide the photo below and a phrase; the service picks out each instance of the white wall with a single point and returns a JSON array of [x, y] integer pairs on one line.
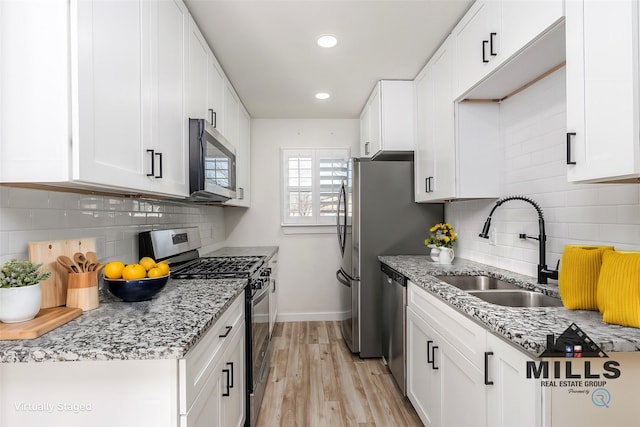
[[533, 126], [35, 215], [308, 289]]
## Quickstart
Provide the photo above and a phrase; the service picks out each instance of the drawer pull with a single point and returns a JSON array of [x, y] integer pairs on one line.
[[231, 375], [433, 357], [226, 334], [228, 392], [486, 367], [429, 361]]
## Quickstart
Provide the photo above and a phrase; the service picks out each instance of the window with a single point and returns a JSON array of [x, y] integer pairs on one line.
[[311, 182]]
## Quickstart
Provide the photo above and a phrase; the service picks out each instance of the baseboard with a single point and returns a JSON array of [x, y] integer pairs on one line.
[[312, 317]]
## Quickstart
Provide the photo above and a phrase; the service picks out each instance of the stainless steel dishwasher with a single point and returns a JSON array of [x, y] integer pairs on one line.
[[394, 308]]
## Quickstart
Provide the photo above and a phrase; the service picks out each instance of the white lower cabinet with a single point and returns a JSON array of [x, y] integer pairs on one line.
[[512, 399], [458, 374], [273, 298]]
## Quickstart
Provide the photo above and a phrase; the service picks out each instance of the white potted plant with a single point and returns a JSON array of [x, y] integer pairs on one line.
[[20, 293]]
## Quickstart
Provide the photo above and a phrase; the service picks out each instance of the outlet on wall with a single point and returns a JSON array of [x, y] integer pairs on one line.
[[493, 237]]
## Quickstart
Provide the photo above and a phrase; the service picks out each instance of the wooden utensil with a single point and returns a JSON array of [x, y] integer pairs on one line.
[[68, 264], [92, 258], [81, 261]]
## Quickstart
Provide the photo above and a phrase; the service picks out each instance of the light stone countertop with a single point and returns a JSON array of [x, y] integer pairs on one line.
[[526, 328], [265, 251]]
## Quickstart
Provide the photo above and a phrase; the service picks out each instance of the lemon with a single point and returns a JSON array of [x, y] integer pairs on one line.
[[113, 270], [134, 272], [147, 263], [155, 272], [163, 266]]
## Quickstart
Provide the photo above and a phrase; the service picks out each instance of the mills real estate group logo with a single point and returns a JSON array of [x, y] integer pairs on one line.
[[577, 376]]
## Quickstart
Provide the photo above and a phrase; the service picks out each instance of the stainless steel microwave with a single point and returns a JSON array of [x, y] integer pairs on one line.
[[212, 164]]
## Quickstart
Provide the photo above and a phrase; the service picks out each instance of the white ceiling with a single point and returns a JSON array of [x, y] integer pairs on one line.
[[268, 49]]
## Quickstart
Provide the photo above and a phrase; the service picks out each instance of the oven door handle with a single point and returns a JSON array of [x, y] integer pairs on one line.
[[262, 295]]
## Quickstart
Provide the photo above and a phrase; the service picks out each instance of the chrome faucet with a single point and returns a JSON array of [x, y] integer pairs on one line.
[[544, 273]]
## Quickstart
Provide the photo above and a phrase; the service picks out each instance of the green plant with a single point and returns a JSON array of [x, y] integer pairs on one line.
[[441, 235], [16, 273]]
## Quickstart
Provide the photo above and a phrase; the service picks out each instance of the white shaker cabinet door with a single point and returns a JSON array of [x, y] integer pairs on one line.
[[108, 134], [197, 92], [169, 127], [603, 118]]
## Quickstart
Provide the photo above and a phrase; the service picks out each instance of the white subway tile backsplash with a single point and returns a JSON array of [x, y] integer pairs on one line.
[[35, 215], [533, 138]]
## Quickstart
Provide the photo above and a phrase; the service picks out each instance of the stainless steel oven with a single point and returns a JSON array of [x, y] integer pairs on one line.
[[258, 345]]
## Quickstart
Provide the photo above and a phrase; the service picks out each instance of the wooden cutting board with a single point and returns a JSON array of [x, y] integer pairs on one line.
[[54, 289], [46, 320]]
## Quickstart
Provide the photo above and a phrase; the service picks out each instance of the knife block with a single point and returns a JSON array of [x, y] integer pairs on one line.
[[82, 290]]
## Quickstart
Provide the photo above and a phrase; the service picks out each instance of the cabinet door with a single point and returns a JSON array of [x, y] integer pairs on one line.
[[108, 136], [435, 145], [169, 127], [460, 378], [375, 130], [233, 382], [243, 162], [423, 380], [365, 132], [231, 109], [512, 399], [197, 93], [273, 298], [207, 408], [602, 90], [478, 37], [423, 154], [215, 93]]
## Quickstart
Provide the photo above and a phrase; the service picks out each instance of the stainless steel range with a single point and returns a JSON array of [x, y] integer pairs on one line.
[[180, 247]]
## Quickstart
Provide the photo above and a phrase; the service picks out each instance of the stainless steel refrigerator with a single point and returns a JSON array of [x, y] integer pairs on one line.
[[376, 216]]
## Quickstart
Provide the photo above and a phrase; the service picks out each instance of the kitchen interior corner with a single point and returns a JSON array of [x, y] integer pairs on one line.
[[386, 330]]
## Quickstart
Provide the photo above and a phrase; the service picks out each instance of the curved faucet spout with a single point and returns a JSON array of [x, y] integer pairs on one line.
[[544, 273]]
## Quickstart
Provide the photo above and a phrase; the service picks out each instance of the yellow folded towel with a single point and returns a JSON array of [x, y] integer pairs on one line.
[[619, 288], [578, 278]]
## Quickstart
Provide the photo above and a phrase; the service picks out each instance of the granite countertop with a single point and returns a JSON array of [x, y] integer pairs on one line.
[[165, 327], [527, 328]]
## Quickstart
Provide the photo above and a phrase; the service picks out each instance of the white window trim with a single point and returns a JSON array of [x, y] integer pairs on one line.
[[313, 224]]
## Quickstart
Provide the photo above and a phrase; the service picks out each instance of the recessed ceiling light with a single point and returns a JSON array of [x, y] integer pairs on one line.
[[327, 41], [322, 95]]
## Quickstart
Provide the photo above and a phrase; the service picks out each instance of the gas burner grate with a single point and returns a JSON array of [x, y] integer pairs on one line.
[[218, 267]]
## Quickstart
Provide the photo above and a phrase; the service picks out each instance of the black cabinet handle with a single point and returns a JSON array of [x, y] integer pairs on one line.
[[214, 117], [228, 392], [486, 367], [274, 287], [484, 50], [160, 160], [433, 357], [429, 361], [491, 51], [231, 365], [241, 193], [569, 160], [226, 334], [427, 183], [152, 163]]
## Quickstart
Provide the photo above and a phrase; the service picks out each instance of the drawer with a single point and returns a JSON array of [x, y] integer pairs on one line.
[[196, 366], [465, 335]]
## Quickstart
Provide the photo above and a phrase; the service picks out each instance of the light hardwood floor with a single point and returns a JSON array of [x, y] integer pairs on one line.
[[316, 381]]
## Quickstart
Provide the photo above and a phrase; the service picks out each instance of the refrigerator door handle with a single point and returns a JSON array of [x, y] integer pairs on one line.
[[343, 279]]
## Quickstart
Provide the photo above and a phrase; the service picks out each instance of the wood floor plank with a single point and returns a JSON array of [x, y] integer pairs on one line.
[[316, 381]]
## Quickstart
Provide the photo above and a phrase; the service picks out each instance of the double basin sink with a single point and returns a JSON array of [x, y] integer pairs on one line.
[[496, 291]]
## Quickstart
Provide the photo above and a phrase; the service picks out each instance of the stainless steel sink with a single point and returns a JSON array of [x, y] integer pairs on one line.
[[477, 283], [519, 298]]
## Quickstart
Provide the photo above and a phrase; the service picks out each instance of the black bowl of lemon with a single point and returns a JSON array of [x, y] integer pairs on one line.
[[136, 282]]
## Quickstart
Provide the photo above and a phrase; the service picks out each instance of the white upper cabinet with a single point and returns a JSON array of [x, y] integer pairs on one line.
[[231, 111], [388, 119], [215, 92], [125, 88], [493, 33], [457, 152], [603, 112], [199, 52], [243, 161]]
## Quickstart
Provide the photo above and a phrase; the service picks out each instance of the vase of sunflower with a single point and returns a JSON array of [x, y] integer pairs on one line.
[[440, 241]]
